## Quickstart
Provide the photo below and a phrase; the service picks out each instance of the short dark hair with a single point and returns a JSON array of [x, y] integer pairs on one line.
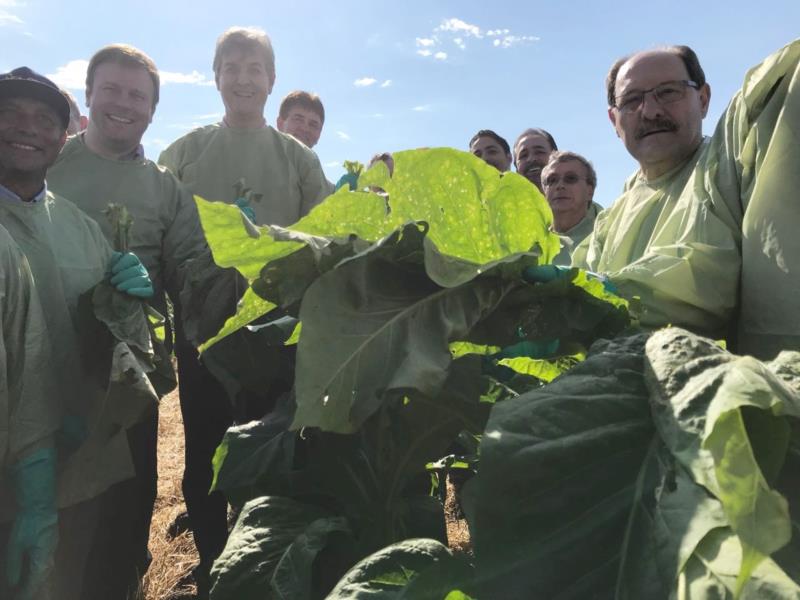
[[685, 53], [126, 55], [302, 99], [537, 131], [497, 138]]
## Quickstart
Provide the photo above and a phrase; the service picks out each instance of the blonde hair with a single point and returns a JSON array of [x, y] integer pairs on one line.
[[245, 38], [126, 55]]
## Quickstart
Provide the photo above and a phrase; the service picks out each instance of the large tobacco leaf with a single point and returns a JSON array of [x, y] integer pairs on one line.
[[618, 480], [414, 569], [474, 213], [376, 328], [271, 549]]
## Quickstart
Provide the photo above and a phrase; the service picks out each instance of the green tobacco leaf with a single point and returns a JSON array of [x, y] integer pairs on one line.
[[256, 458], [474, 214], [418, 569], [124, 316], [250, 308], [559, 468], [719, 415], [378, 326], [263, 535]]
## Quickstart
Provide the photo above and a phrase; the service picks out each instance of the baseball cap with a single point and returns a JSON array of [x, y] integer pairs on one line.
[[27, 83]]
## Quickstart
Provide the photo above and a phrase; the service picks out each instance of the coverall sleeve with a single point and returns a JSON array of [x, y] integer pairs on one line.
[[28, 404], [314, 187]]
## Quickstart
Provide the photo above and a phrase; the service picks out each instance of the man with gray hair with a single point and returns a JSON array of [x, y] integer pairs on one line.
[[569, 182]]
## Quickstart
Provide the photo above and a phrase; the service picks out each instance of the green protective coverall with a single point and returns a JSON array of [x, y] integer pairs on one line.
[[166, 231], [29, 410], [68, 256], [754, 166], [723, 224], [577, 234], [283, 172]]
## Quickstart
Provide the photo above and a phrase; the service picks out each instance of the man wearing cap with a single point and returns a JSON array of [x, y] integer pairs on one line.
[[103, 164], [68, 256]]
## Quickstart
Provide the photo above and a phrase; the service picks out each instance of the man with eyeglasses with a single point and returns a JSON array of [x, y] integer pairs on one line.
[[569, 182]]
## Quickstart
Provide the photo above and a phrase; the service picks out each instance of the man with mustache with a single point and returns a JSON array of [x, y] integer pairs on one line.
[[674, 249], [531, 151]]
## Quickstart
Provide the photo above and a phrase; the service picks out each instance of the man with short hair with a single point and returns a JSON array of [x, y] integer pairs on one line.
[[286, 179], [531, 151], [106, 164], [569, 182], [676, 250], [492, 148], [302, 115], [68, 256]]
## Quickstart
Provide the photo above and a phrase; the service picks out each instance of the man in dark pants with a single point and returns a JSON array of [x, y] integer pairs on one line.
[[104, 164]]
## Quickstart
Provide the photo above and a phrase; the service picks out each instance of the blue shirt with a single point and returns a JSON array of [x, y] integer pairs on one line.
[[9, 196]]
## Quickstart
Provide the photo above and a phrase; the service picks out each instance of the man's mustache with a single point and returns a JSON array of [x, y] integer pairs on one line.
[[654, 125]]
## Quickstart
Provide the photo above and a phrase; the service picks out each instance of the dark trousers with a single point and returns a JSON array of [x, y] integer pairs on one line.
[[207, 414], [119, 557]]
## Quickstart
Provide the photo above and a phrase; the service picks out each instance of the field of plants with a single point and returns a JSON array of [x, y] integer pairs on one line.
[[608, 462]]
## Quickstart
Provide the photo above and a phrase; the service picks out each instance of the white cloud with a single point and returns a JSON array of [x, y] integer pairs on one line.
[[193, 78], [210, 116], [460, 43], [155, 143], [425, 42], [514, 40], [343, 136], [494, 32], [424, 52], [377, 115], [422, 108], [496, 43], [7, 17], [364, 81], [333, 163], [386, 83], [440, 56], [72, 75], [458, 26]]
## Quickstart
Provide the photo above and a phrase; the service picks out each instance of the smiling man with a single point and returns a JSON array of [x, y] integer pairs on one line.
[[531, 151], [492, 148], [106, 164], [69, 256], [569, 182], [677, 251], [302, 115], [286, 181]]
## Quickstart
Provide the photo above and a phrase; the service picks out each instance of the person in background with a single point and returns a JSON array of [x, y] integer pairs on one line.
[[77, 121], [302, 115], [285, 181], [492, 148], [106, 164], [531, 151], [569, 182], [68, 257]]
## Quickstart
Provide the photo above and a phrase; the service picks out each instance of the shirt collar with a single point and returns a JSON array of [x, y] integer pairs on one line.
[[7, 194], [227, 126]]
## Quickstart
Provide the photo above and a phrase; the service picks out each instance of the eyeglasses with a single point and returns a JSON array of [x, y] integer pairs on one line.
[[666, 93], [568, 179]]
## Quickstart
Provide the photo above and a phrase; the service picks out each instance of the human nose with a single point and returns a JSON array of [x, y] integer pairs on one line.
[[651, 107]]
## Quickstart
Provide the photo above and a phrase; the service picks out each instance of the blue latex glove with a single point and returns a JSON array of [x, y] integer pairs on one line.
[[532, 349], [129, 275], [72, 434], [34, 533], [349, 179], [246, 209], [548, 273]]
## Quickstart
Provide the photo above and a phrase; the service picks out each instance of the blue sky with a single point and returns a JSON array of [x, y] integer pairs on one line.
[[406, 74]]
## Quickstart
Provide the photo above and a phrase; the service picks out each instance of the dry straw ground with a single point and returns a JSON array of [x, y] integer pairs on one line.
[[173, 559]]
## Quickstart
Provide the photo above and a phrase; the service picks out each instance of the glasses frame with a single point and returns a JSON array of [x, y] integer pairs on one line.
[[685, 83], [560, 179]]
